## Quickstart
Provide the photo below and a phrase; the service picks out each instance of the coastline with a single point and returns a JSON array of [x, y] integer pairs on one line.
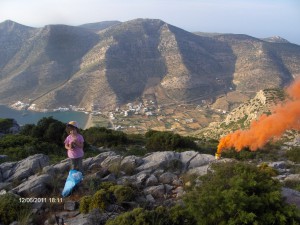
[[32, 117]]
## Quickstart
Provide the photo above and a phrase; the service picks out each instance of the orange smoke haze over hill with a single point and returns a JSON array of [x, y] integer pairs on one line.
[[285, 116]]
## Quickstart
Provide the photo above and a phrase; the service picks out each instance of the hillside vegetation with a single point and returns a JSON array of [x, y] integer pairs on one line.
[[227, 188]]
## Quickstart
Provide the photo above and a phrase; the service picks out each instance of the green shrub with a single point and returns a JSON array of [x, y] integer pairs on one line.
[[137, 216], [47, 129], [179, 215], [176, 215], [5, 124], [84, 204], [268, 153], [237, 193], [99, 200], [11, 209], [46, 137], [101, 136], [106, 185], [207, 146], [166, 141], [294, 155], [137, 151], [122, 193], [267, 169]]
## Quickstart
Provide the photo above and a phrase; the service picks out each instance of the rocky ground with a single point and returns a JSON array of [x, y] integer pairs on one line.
[[160, 177]]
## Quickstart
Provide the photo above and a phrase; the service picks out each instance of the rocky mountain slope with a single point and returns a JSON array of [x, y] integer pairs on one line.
[[101, 67], [241, 116]]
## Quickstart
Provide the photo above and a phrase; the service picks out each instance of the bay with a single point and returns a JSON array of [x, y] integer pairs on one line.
[[30, 117]]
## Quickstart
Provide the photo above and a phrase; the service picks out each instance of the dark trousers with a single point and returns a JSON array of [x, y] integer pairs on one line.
[[76, 164]]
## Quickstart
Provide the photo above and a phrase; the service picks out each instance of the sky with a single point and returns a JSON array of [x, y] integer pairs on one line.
[[257, 18]]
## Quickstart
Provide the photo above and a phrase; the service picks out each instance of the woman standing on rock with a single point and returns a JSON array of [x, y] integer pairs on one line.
[[74, 145]]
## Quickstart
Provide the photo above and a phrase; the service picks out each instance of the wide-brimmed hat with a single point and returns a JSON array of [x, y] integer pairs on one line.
[[73, 124]]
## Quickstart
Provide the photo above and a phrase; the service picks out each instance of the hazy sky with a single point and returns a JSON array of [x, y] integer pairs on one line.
[[258, 18]]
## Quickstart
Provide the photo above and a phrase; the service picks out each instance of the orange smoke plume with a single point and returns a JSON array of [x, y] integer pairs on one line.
[[285, 116]]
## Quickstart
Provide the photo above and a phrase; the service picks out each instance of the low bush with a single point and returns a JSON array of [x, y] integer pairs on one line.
[[11, 209], [99, 200], [108, 193], [267, 169], [176, 215], [84, 205], [166, 141], [239, 193], [100, 136], [294, 154], [122, 193]]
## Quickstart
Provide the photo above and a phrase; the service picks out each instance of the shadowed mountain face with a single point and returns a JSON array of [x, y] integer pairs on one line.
[[100, 66]]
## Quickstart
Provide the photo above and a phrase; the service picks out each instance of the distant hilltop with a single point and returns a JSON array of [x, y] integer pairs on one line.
[[104, 65]]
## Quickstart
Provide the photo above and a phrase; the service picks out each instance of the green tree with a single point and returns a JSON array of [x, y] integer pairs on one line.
[[47, 129], [5, 124], [166, 141], [237, 193], [101, 136]]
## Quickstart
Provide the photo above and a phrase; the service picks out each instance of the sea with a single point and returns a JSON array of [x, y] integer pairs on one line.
[[30, 117]]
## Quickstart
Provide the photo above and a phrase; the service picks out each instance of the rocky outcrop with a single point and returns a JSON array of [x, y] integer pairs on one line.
[[17, 171], [36, 186], [242, 116], [159, 177]]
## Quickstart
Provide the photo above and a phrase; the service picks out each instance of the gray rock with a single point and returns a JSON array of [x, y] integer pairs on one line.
[[167, 178], [110, 161], [179, 192], [168, 188], [156, 191], [70, 205], [200, 160], [186, 157], [129, 163], [291, 196], [95, 162], [6, 170], [141, 177], [151, 181], [80, 219], [110, 177], [158, 160], [36, 186], [295, 177], [202, 170], [5, 185], [29, 166], [150, 198], [126, 180], [278, 165], [62, 167]]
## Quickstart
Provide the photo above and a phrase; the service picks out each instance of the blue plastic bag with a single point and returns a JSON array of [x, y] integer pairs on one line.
[[73, 179]]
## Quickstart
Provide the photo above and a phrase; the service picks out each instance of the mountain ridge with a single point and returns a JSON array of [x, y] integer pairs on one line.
[[61, 65]]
